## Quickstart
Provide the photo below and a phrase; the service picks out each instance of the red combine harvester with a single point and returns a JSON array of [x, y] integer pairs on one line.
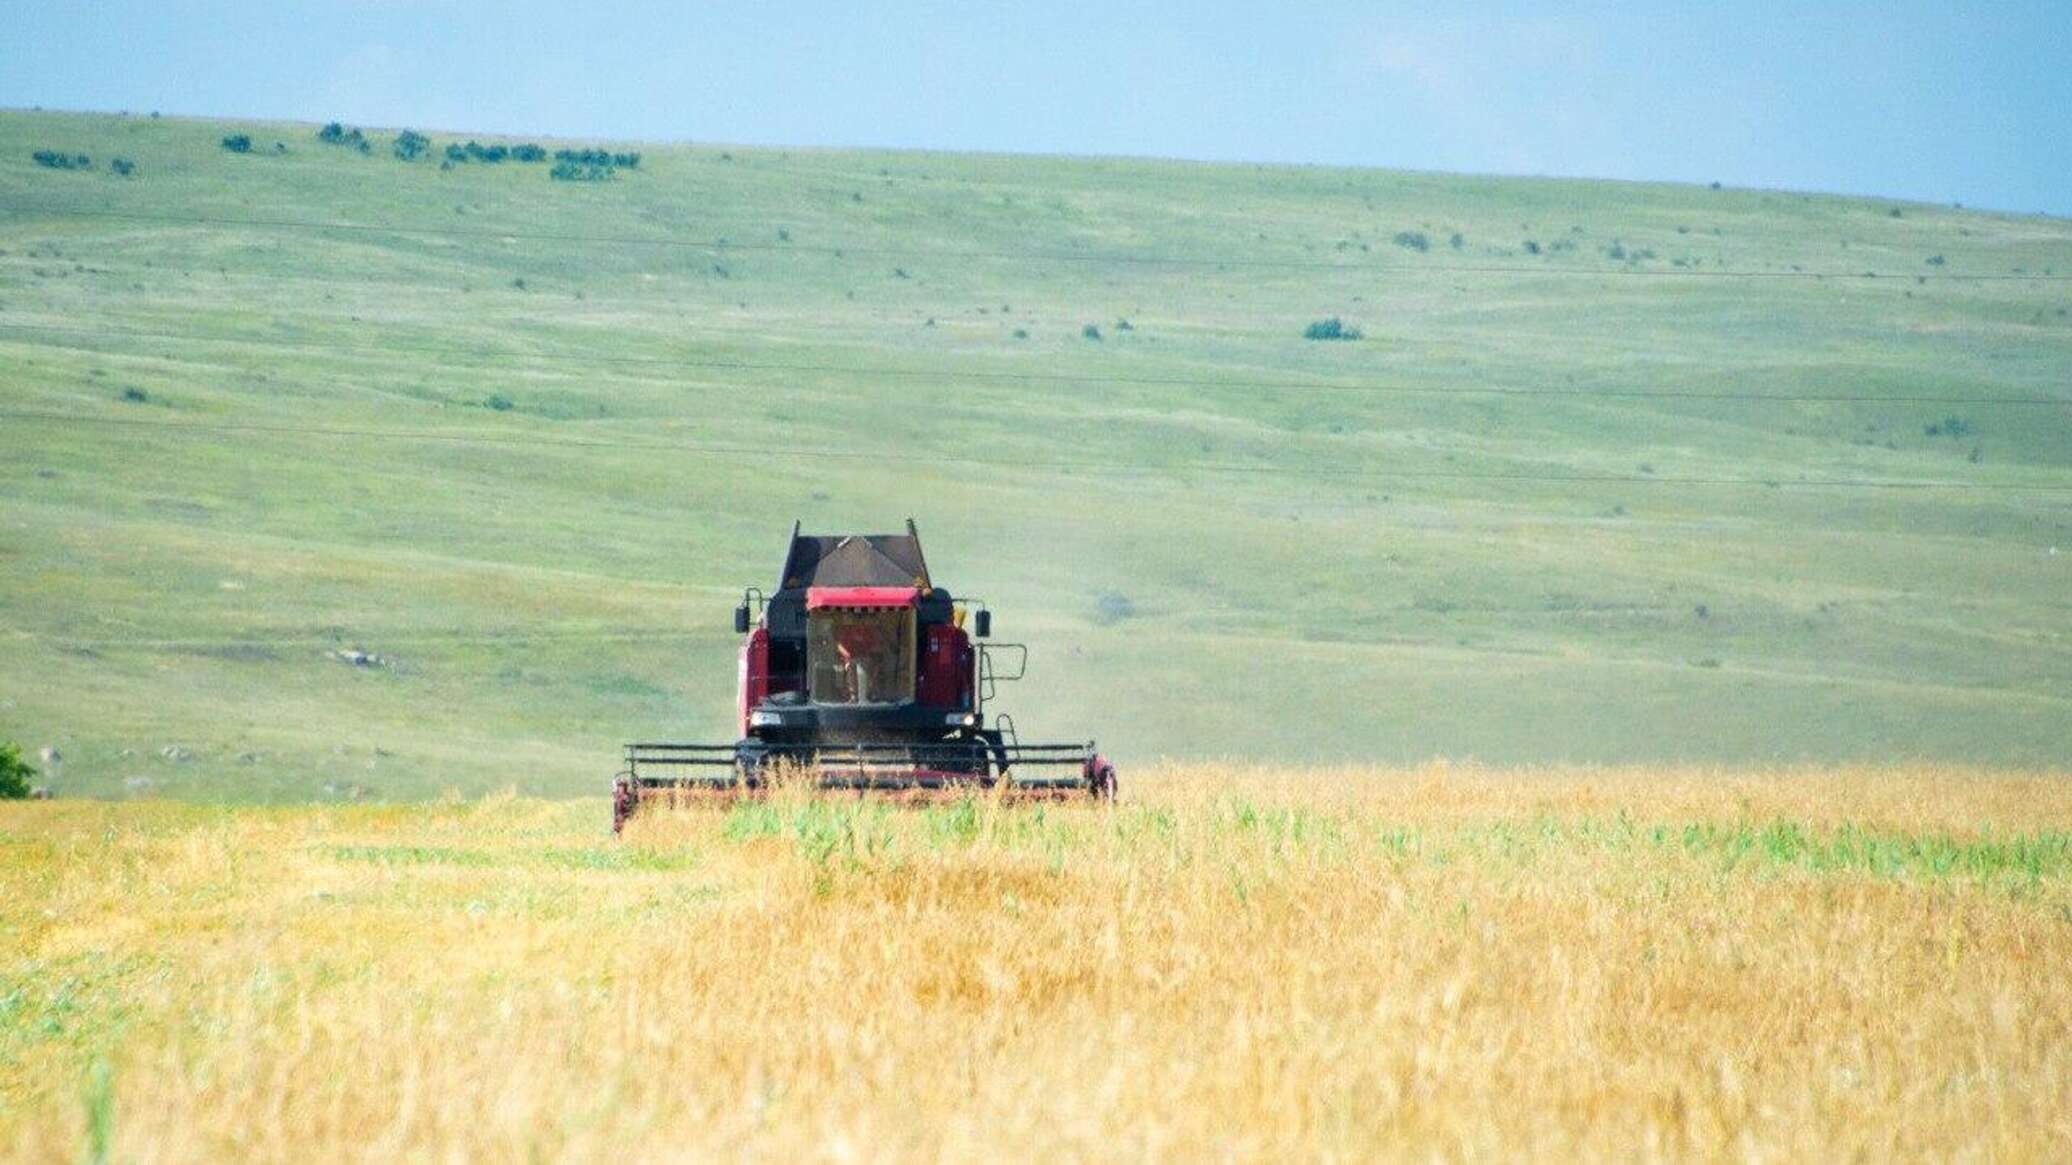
[[857, 673]]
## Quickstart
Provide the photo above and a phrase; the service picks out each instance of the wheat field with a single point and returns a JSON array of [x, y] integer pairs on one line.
[[1441, 961]]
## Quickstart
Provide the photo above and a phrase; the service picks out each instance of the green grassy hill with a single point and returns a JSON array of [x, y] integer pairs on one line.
[[1617, 471]]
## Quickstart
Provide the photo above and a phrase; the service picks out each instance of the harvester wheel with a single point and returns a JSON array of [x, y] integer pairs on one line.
[[625, 797], [1100, 778]]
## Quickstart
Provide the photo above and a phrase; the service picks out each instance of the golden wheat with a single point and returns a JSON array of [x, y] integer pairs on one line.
[[1232, 963]]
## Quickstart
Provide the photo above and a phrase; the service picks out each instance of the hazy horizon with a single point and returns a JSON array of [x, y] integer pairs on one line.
[[1909, 101]]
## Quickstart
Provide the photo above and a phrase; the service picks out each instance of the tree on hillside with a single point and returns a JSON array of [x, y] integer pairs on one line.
[[1330, 329], [15, 773], [411, 145], [336, 134]]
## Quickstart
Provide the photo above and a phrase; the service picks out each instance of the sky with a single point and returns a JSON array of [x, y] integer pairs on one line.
[[1942, 102]]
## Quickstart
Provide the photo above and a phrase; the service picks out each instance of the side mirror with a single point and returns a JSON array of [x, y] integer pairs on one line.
[[984, 620], [741, 619]]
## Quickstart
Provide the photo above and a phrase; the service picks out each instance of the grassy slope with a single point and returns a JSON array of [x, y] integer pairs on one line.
[[544, 602], [1434, 963]]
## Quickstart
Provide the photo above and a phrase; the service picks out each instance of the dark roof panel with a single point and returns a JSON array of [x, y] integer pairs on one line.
[[855, 560]]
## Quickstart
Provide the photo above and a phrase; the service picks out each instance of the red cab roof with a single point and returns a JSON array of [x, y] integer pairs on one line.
[[818, 597]]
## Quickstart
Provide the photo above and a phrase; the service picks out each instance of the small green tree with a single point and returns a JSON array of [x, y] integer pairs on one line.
[[411, 145], [15, 773]]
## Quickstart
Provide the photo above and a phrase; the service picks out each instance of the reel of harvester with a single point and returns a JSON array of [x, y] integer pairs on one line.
[[858, 675]]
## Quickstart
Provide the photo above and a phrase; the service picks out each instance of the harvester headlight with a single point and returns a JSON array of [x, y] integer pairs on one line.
[[765, 719], [964, 718]]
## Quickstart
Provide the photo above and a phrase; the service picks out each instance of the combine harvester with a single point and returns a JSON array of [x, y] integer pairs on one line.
[[857, 674]]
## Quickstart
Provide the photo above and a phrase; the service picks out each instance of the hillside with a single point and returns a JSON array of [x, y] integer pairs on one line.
[[1626, 473]]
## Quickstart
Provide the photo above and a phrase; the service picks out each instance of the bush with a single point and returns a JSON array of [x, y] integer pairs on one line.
[[1330, 329], [1532, 246], [499, 402], [593, 156], [58, 160], [348, 136], [123, 167], [1949, 427], [238, 143], [411, 145], [1935, 260], [567, 171], [1090, 332], [475, 151], [528, 152], [1456, 241], [15, 773], [135, 395], [1414, 240], [1111, 607]]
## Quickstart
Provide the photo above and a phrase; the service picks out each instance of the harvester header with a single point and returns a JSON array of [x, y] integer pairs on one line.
[[858, 673]]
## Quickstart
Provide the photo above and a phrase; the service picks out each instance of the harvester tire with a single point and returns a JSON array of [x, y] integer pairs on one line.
[[1101, 779]]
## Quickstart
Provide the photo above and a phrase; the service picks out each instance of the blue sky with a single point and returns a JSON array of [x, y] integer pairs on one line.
[[1937, 101]]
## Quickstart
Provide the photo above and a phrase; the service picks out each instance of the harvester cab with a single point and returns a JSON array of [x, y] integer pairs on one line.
[[857, 673]]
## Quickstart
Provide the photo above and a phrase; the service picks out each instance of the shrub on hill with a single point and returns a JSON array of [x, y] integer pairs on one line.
[[528, 152], [1330, 329], [411, 145], [475, 151], [59, 160], [1090, 332], [348, 136], [1112, 607], [15, 773], [599, 157], [1414, 240], [238, 143], [122, 166], [567, 171]]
